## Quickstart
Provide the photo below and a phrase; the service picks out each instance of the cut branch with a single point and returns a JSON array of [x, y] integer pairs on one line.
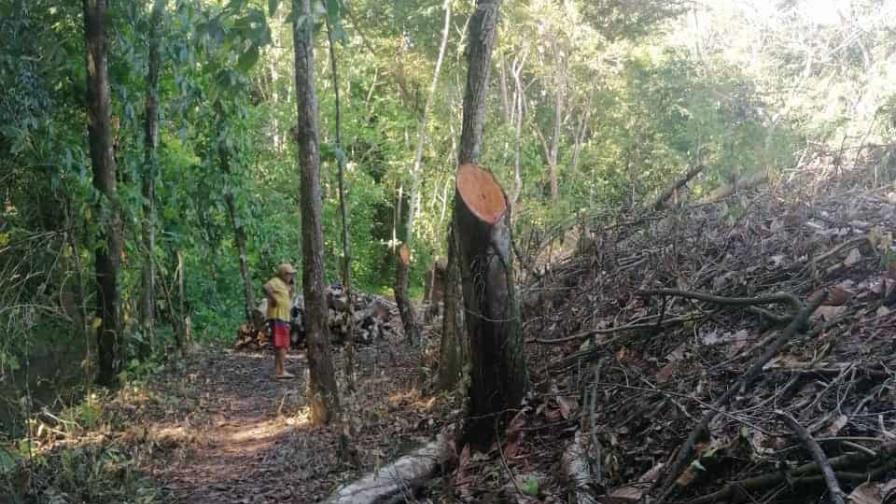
[[799, 322], [817, 454], [664, 196], [805, 475], [778, 297]]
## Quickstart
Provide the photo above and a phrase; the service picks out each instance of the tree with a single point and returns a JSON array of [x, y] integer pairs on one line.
[[99, 128], [324, 397], [483, 244], [346, 266], [150, 169], [403, 255]]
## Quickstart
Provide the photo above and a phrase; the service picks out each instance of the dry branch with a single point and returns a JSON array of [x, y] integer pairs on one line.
[[778, 297], [664, 196], [818, 454], [666, 481], [805, 474]]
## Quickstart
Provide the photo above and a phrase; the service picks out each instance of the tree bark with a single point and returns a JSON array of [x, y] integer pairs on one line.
[[405, 308], [324, 397], [402, 259], [499, 376], [239, 236], [346, 265], [518, 99], [452, 350], [480, 42], [150, 169], [108, 254], [483, 252], [183, 331]]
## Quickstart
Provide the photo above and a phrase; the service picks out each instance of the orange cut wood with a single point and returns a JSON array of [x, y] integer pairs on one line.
[[404, 253], [481, 193]]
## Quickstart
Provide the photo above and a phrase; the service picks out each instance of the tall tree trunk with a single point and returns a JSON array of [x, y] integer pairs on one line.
[[324, 396], [481, 40], [239, 236], [554, 153], [150, 168], [403, 257], [108, 254], [453, 351], [239, 233], [482, 230], [519, 97], [346, 265], [180, 320]]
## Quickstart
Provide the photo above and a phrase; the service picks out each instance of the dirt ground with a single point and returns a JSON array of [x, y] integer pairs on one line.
[[227, 433]]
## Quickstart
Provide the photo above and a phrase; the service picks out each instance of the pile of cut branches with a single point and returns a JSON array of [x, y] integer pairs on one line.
[[372, 319], [737, 351]]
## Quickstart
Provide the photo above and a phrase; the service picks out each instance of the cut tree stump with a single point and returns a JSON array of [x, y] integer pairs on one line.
[[482, 230]]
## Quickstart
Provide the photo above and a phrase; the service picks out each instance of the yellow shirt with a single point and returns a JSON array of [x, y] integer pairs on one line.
[[278, 303]]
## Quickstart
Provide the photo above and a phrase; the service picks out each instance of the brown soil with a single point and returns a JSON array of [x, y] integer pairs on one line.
[[227, 432]]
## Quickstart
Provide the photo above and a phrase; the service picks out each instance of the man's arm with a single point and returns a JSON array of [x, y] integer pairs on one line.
[[269, 292]]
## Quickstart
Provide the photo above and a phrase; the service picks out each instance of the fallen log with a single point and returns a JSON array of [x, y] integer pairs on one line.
[[397, 481], [577, 471]]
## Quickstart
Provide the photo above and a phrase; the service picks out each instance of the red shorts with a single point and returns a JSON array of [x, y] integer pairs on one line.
[[280, 334]]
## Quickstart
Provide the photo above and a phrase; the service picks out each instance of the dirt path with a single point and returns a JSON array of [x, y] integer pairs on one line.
[[226, 432]]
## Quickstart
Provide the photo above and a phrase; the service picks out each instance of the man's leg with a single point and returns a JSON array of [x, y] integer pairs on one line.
[[279, 357], [281, 345]]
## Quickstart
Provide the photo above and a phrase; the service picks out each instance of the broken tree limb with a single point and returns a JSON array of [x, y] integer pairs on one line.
[[664, 196], [393, 482], [830, 479], [482, 230], [666, 481]]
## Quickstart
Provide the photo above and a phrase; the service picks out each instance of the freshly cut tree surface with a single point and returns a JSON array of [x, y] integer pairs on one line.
[[405, 254], [481, 193]]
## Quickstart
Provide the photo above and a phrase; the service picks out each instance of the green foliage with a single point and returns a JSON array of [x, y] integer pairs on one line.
[[644, 95]]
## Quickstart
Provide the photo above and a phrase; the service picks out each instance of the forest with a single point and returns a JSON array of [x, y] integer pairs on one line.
[[437, 251]]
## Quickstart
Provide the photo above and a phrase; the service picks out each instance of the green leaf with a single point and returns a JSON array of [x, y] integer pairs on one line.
[[531, 487], [272, 6], [248, 58], [334, 8]]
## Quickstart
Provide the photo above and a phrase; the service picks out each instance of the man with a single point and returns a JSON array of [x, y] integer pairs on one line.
[[279, 292]]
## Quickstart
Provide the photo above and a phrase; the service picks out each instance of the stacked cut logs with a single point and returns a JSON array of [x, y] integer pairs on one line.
[[372, 319]]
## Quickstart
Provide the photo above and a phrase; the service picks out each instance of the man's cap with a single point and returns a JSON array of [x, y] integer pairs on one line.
[[286, 269]]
